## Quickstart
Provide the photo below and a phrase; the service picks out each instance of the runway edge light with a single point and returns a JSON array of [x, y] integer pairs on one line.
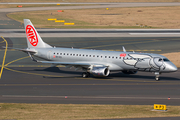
[[159, 107]]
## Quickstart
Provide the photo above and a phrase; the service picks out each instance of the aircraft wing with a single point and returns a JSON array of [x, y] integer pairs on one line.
[[77, 65], [81, 63], [66, 63]]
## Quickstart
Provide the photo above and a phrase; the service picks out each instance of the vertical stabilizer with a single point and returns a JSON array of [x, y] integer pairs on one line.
[[32, 36]]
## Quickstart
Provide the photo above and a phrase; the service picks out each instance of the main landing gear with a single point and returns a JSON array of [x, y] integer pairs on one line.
[[85, 74], [157, 74]]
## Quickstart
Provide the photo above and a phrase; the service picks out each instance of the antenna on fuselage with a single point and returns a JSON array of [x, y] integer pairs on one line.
[[124, 50]]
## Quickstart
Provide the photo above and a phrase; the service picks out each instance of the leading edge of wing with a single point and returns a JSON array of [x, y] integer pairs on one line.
[[70, 63]]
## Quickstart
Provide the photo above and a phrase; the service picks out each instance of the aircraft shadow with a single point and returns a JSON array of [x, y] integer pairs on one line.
[[57, 70], [121, 75]]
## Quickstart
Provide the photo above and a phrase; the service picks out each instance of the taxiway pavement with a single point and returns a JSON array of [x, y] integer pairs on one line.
[[64, 86], [95, 32], [24, 81]]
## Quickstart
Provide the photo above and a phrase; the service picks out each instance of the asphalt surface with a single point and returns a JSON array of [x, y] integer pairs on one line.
[[24, 81], [52, 85]]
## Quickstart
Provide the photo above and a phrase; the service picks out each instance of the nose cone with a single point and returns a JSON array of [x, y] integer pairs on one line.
[[171, 67]]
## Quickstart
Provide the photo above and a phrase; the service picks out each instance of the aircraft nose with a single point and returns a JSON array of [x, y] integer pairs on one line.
[[172, 67]]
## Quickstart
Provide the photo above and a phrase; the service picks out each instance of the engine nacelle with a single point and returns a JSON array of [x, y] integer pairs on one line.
[[129, 72], [100, 71]]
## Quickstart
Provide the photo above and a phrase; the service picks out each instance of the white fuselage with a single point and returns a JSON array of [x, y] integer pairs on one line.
[[113, 59]]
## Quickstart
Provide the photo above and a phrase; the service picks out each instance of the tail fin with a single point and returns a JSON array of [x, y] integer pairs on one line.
[[32, 36]]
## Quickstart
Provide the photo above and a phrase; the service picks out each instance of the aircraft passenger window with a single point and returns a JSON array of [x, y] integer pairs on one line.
[[73, 54], [76, 54], [112, 57], [93, 55], [89, 55], [97, 55], [64, 54], [54, 53], [57, 53], [101, 56], [70, 54], [60, 53], [86, 55], [83, 55], [109, 57], [119, 57], [79, 54], [105, 56], [116, 57], [67, 54]]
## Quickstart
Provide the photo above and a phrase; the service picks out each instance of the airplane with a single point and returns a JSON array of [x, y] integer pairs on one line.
[[99, 63]]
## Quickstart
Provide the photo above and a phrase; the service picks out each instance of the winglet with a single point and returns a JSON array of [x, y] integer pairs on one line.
[[124, 50]]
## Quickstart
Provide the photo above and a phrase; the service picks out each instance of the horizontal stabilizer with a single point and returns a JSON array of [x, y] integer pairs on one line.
[[19, 49]]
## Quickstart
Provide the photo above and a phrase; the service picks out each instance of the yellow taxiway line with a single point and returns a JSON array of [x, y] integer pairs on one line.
[[3, 57], [16, 60], [32, 73]]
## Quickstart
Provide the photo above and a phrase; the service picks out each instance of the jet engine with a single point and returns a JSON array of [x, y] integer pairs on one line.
[[129, 72], [100, 71]]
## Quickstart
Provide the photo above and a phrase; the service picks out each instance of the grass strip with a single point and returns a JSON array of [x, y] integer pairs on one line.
[[115, 18], [23, 111]]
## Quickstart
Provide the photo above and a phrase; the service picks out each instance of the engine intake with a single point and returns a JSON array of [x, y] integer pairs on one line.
[[100, 71]]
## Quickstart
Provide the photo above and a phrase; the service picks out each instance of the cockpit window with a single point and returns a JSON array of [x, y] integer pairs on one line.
[[160, 59], [165, 59]]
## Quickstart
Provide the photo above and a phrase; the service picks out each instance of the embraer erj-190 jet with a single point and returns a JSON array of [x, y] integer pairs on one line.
[[96, 62]]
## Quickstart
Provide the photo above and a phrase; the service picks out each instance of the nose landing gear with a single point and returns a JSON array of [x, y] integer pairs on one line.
[[157, 74]]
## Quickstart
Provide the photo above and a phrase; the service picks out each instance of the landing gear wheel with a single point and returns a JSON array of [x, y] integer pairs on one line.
[[85, 74], [157, 78], [157, 74]]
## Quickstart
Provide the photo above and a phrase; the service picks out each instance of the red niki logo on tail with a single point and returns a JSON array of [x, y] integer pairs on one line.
[[31, 35]]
